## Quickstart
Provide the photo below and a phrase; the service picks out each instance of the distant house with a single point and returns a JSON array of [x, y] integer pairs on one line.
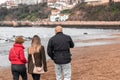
[[56, 16], [55, 11], [9, 4], [98, 2], [93, 2], [62, 4], [63, 17], [59, 17], [57, 5], [29, 2]]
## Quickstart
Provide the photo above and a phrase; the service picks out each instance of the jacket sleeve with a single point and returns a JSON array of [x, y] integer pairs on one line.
[[11, 56], [50, 49], [22, 56], [71, 42], [44, 59]]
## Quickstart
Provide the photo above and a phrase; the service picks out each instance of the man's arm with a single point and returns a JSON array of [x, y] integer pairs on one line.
[[71, 42], [50, 49]]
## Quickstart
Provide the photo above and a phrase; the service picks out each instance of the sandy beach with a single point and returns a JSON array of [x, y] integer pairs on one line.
[[88, 63]]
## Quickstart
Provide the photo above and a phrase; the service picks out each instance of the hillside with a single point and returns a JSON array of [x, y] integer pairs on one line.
[[81, 12], [84, 12], [25, 12]]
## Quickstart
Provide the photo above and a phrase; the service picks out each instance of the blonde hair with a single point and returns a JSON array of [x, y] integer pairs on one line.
[[35, 45]]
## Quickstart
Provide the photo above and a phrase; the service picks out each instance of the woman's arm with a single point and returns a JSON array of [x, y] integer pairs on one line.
[[44, 58]]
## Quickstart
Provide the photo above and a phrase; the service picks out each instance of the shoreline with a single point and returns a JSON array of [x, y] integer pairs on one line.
[[66, 24]]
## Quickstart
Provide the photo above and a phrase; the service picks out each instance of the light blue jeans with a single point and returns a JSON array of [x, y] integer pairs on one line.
[[65, 69]]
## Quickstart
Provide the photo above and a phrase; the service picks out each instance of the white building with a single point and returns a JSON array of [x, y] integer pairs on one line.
[[59, 17], [56, 16], [92, 1], [29, 1], [9, 4], [62, 4], [97, 2]]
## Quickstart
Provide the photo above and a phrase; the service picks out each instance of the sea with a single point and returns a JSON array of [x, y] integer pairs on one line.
[[8, 34]]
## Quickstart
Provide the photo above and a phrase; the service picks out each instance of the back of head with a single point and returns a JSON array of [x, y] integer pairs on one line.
[[58, 29], [36, 40], [35, 44], [19, 40]]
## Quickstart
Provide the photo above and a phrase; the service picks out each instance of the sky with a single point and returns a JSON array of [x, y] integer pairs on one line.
[[2, 1]]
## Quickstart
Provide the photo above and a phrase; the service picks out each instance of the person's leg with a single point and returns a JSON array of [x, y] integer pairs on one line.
[[15, 73], [67, 71], [36, 76], [58, 71], [23, 72]]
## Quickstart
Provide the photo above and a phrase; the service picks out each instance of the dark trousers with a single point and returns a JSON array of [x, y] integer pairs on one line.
[[19, 70], [36, 76]]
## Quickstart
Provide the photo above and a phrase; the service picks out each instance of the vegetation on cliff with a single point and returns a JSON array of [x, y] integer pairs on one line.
[[84, 12], [81, 12], [25, 12]]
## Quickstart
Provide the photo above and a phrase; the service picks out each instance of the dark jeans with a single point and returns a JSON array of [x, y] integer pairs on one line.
[[36, 76], [19, 70]]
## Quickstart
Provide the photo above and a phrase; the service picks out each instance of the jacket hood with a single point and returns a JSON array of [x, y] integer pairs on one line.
[[18, 45]]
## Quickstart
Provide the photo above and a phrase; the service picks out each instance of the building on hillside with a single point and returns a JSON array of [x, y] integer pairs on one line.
[[9, 4], [92, 1], [98, 2], [106, 1], [56, 16], [116, 0], [66, 1], [29, 2], [62, 4]]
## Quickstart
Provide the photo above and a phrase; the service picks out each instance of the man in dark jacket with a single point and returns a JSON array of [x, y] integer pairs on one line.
[[59, 51]]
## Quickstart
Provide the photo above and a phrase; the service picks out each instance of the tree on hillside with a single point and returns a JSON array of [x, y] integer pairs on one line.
[[110, 2], [3, 12]]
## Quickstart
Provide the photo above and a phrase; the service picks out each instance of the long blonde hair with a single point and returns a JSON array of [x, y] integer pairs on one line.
[[35, 45]]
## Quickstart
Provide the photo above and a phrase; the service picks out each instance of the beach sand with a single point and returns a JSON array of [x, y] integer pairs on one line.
[[88, 63]]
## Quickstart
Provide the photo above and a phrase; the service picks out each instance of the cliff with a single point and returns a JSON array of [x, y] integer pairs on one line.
[[84, 12]]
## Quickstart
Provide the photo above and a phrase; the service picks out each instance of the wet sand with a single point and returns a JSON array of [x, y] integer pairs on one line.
[[88, 63]]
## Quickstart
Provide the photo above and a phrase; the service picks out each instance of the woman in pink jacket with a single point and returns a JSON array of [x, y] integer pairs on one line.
[[18, 60]]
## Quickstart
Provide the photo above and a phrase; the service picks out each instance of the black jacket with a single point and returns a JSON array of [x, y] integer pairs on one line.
[[59, 48]]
